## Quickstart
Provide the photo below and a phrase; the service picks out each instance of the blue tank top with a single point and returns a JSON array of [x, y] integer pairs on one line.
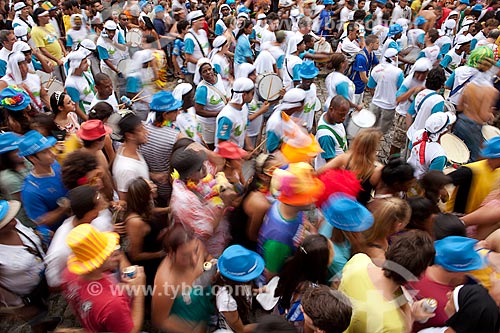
[[276, 228]]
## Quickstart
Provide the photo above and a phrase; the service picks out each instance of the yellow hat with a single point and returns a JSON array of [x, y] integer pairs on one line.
[[90, 248]]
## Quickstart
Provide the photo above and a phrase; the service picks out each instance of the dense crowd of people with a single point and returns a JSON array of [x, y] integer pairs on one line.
[[174, 166]]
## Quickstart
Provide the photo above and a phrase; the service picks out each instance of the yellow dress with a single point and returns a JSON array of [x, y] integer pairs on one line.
[[372, 313]]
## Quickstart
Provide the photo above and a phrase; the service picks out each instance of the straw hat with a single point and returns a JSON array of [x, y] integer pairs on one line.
[[90, 248], [8, 210]]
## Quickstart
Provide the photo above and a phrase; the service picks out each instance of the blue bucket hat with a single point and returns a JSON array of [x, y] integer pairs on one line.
[[394, 30], [230, 2], [491, 148], [457, 254], [164, 101], [308, 70], [383, 2], [8, 141], [345, 213], [34, 142], [14, 99], [477, 7], [420, 20], [328, 2], [466, 2], [239, 264], [158, 9]]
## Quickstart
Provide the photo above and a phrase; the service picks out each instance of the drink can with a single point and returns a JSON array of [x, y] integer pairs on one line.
[[429, 305], [129, 272]]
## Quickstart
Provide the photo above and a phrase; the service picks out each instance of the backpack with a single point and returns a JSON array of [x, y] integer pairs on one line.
[[350, 72]]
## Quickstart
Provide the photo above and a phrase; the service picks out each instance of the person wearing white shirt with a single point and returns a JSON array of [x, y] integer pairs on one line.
[[344, 13], [489, 25], [330, 133], [351, 45], [456, 56], [401, 10], [259, 28], [86, 205], [431, 51], [427, 102], [386, 78], [272, 25]]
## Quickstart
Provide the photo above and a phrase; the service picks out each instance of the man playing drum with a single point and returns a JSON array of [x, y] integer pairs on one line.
[[330, 133]]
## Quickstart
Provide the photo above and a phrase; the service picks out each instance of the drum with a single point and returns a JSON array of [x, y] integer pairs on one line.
[[124, 66], [410, 54], [455, 149], [489, 132], [325, 47], [134, 37], [53, 85], [360, 120], [269, 86]]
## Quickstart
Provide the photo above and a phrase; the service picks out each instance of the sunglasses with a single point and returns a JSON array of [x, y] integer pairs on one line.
[[124, 19]]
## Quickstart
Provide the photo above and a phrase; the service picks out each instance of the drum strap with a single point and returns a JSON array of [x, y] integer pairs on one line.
[[198, 42], [423, 100], [460, 86], [342, 141], [222, 96]]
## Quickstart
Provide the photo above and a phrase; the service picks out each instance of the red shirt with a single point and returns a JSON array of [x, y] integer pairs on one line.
[[98, 305]]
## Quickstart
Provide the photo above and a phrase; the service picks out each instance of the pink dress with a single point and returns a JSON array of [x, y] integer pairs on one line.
[[193, 210]]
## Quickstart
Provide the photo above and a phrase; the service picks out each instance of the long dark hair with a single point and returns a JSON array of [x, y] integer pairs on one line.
[[241, 31], [57, 100], [310, 263], [139, 199]]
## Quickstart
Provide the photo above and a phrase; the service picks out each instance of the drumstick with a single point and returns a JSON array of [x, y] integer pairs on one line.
[[140, 98], [50, 81], [270, 85], [259, 146], [276, 94], [136, 96]]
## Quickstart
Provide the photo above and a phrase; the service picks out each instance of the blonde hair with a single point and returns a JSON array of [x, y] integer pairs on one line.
[[387, 213], [364, 152]]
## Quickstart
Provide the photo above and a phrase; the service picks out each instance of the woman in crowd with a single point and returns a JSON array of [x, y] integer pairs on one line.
[[21, 276], [176, 308], [307, 268], [186, 120], [79, 83], [422, 214], [233, 167], [243, 51], [19, 75], [360, 159], [191, 204], [210, 98], [432, 186], [15, 103], [396, 179], [247, 218], [377, 290], [230, 22], [13, 171], [218, 57], [391, 215], [339, 84], [238, 268], [143, 229], [63, 109], [103, 112], [345, 220]]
